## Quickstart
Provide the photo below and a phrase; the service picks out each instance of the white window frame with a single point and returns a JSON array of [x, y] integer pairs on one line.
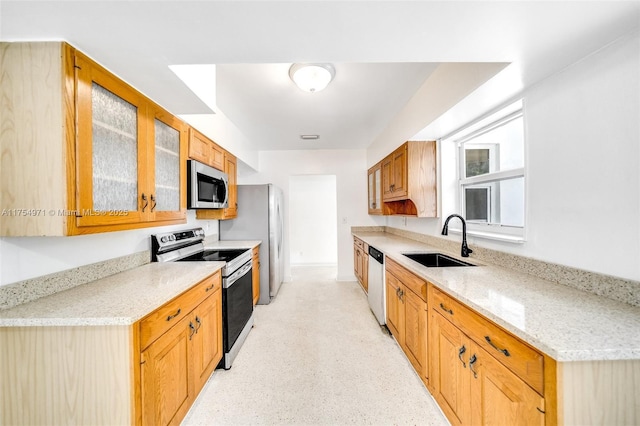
[[494, 231]]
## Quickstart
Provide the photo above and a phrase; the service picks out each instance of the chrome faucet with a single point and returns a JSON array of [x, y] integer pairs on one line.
[[465, 250]]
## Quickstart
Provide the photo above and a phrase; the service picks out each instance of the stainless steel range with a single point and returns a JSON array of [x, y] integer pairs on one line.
[[237, 289]]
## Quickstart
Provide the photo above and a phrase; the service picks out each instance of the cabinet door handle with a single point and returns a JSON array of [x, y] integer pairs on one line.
[[401, 293], [445, 309], [154, 203], [472, 361], [199, 324], [504, 351], [146, 202], [193, 330], [461, 351], [170, 317]]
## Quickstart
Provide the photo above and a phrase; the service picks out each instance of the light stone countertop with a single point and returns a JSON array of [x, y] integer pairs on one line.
[[119, 299], [565, 323]]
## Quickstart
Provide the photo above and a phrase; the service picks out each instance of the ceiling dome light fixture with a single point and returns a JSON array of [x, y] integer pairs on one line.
[[312, 77]]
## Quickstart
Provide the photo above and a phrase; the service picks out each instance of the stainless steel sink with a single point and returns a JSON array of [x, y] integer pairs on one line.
[[436, 260]]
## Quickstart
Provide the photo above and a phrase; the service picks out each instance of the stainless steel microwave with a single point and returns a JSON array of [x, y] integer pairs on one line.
[[207, 188]]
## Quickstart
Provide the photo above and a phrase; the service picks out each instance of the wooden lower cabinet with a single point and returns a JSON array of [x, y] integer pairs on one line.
[[166, 378], [175, 367], [449, 353], [472, 387], [113, 374], [361, 262], [395, 309], [498, 396], [407, 321], [415, 332], [207, 340]]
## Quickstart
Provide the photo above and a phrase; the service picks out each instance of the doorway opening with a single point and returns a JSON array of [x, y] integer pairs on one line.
[[313, 221]]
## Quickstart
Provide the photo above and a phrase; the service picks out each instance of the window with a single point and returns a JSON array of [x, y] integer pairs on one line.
[[490, 178]]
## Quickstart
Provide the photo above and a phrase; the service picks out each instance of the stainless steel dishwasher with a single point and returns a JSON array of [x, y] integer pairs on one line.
[[376, 286]]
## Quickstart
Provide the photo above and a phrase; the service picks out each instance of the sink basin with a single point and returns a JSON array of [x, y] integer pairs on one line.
[[436, 260]]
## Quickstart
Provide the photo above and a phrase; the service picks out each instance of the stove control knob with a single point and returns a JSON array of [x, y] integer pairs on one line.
[[163, 239], [172, 237]]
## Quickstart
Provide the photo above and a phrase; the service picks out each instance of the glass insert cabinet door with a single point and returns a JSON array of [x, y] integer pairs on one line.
[[168, 195], [112, 172], [375, 189]]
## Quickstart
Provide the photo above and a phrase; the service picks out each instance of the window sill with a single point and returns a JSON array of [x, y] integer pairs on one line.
[[515, 239]]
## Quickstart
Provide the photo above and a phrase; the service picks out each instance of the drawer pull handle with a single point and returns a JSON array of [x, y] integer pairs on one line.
[[445, 309], [461, 351], [504, 351], [199, 324], [472, 361], [170, 317], [542, 411], [210, 288], [193, 330]]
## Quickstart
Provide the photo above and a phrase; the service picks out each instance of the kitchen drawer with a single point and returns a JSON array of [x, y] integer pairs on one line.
[[513, 353], [162, 319], [358, 242], [411, 281]]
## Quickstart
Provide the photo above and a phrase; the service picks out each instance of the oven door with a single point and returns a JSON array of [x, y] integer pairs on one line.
[[237, 303]]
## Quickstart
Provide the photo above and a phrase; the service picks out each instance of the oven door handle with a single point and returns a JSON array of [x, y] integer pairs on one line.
[[244, 269]]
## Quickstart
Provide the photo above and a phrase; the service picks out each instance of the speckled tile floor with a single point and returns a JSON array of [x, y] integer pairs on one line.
[[316, 356]]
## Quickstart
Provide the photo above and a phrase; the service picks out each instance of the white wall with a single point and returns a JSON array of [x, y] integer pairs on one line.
[[349, 167], [30, 257], [443, 89], [583, 166], [313, 222]]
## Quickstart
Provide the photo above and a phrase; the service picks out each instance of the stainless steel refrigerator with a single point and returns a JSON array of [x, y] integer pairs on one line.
[[260, 218]]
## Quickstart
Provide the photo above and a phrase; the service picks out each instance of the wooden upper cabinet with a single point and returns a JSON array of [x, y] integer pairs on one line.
[[396, 182], [374, 183], [116, 164], [409, 180], [130, 155], [230, 212], [231, 169], [168, 200], [204, 150], [37, 166], [111, 152]]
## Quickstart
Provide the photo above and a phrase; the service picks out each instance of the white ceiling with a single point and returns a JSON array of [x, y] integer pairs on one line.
[[382, 50]]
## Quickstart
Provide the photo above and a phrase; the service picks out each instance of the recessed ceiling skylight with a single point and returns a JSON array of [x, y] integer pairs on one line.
[[201, 79]]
